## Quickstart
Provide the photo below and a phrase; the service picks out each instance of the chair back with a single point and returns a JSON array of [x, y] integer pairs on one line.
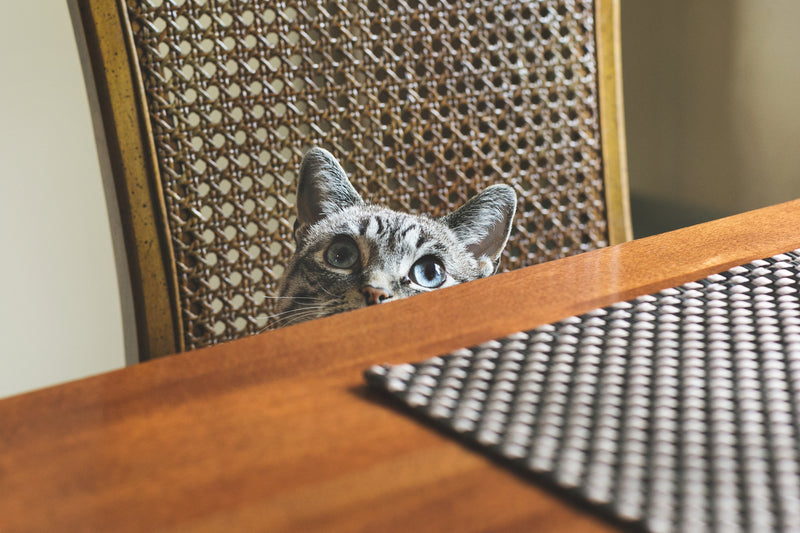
[[204, 109]]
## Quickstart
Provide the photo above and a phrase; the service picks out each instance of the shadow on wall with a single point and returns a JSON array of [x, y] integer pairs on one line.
[[711, 116]]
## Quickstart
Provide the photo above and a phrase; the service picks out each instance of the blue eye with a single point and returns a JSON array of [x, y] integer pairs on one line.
[[428, 272], [342, 253]]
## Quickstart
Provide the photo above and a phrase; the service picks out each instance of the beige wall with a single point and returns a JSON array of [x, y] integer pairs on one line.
[[712, 106], [59, 304], [766, 91], [712, 112]]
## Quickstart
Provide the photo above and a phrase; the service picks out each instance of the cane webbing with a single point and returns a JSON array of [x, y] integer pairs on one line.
[[676, 411], [424, 102]]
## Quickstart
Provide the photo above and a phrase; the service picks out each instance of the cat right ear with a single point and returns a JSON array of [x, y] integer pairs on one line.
[[322, 188], [483, 224]]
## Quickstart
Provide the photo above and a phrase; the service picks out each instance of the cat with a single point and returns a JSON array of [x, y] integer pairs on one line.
[[351, 254]]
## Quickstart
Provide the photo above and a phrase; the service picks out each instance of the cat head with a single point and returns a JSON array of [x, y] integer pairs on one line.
[[350, 254]]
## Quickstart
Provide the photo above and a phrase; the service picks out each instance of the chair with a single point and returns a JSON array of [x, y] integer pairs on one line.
[[203, 109]]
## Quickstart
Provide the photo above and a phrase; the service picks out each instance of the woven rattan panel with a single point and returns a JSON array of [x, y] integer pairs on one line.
[[424, 102], [677, 411]]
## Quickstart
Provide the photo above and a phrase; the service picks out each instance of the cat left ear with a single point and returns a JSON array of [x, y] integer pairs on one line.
[[322, 188], [484, 224]]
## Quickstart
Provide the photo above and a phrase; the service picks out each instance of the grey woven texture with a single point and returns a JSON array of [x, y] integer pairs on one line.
[[675, 411]]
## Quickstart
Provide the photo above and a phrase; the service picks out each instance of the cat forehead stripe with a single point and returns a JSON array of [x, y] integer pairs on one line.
[[373, 227], [413, 233]]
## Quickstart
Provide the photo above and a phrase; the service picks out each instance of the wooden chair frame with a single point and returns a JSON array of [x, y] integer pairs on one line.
[[143, 249]]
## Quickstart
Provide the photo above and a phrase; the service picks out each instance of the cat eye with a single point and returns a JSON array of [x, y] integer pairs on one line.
[[428, 272], [342, 253]]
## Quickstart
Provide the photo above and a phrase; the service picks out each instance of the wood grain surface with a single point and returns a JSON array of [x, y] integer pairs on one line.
[[277, 432]]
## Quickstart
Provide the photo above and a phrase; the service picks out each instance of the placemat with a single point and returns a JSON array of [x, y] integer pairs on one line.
[[674, 411]]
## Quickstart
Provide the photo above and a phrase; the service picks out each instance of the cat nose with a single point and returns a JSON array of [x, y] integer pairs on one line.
[[375, 295]]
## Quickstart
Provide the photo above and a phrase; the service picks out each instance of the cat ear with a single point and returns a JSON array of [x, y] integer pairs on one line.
[[484, 224], [322, 188]]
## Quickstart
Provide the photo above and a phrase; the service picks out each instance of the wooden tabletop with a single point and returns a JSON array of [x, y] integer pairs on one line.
[[277, 432]]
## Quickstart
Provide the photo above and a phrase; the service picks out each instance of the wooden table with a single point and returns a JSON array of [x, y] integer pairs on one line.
[[278, 433]]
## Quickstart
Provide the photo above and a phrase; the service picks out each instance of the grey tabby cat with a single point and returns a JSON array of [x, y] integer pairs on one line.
[[351, 254]]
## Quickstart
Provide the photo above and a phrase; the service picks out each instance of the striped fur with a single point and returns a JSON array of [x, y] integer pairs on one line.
[[397, 254]]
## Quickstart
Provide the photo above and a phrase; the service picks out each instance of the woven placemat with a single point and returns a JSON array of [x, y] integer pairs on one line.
[[675, 411]]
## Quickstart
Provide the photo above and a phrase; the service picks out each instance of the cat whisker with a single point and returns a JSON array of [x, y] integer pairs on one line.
[[305, 303], [296, 319], [278, 320], [321, 287], [291, 298], [328, 292], [299, 314], [298, 310]]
